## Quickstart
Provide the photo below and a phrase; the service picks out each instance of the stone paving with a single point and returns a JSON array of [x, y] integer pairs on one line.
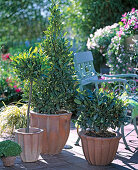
[[73, 159]]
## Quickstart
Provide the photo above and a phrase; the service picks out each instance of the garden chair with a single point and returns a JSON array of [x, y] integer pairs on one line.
[[86, 74]]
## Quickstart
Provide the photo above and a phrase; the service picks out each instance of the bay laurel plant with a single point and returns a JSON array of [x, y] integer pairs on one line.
[[99, 111], [56, 91], [30, 66]]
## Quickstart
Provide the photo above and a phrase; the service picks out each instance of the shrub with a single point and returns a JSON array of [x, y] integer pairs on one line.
[[13, 117], [99, 111], [56, 91], [9, 148]]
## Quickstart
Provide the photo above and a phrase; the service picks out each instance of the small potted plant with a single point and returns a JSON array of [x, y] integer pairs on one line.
[[53, 97], [98, 112], [30, 66], [8, 152]]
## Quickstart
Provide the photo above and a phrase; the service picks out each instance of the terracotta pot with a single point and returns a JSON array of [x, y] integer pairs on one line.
[[30, 143], [99, 151], [8, 161], [56, 130]]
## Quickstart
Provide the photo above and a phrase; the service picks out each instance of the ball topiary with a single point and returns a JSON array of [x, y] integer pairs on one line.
[[9, 148]]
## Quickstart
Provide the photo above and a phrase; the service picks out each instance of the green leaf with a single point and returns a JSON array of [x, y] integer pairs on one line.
[[77, 101]]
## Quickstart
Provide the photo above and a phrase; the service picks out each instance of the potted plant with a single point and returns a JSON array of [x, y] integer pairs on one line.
[[53, 97], [98, 112], [8, 152], [30, 66]]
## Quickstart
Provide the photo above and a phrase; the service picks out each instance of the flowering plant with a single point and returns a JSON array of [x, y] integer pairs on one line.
[[119, 58], [10, 84], [102, 37], [129, 22], [99, 41], [5, 56]]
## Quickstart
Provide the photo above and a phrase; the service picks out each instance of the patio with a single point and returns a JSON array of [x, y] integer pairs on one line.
[[73, 159]]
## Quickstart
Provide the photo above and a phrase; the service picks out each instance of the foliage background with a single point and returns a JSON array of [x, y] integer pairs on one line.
[[22, 20], [83, 17]]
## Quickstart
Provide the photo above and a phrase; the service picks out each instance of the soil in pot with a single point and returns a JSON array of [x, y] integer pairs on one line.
[[105, 134]]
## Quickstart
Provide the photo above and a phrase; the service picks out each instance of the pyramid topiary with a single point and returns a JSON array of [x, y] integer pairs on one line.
[[56, 91]]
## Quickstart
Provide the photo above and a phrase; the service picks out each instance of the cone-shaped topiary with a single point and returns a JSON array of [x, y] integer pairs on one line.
[[57, 90]]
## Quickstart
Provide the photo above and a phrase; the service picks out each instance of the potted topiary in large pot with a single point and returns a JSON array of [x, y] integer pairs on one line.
[[30, 66], [98, 112], [53, 97], [8, 152]]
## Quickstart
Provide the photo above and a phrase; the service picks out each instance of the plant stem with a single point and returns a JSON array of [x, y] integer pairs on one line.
[[28, 110]]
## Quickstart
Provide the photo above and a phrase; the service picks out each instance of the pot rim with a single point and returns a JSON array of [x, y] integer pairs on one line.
[[81, 133], [24, 133], [35, 113], [4, 157]]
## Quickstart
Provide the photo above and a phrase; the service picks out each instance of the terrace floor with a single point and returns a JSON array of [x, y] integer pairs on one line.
[[73, 159]]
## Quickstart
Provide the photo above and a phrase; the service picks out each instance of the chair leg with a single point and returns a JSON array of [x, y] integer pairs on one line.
[[77, 142], [118, 130], [135, 126], [124, 139]]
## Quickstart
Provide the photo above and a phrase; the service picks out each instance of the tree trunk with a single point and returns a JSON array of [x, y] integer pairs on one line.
[[28, 110]]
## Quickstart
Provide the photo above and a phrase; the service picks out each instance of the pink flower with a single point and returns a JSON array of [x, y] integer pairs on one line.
[[15, 86], [130, 22], [124, 15], [126, 26], [124, 20], [136, 26], [6, 56], [120, 33], [133, 10], [102, 78], [130, 69], [18, 90], [133, 88]]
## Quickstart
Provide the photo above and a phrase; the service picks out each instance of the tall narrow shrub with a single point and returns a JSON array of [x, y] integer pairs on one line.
[[56, 91]]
